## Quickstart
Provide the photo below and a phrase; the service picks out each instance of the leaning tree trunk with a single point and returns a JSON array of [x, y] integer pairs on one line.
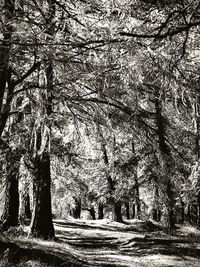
[[42, 224], [11, 207]]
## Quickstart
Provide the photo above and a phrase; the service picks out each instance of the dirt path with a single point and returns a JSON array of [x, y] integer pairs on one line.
[[113, 245], [109, 244]]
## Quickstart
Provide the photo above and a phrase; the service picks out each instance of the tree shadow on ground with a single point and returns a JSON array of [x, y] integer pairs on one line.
[[138, 226], [15, 254], [84, 244]]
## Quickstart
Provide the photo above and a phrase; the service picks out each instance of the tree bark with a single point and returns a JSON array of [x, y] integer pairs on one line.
[[133, 209], [92, 213], [137, 212], [100, 211], [77, 209], [127, 207], [198, 203], [137, 200], [189, 213], [182, 211], [166, 162], [116, 204], [8, 14], [170, 206], [118, 211], [27, 206], [11, 207], [42, 224]]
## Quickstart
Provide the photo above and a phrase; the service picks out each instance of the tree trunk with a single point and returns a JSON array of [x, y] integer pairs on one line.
[[92, 213], [7, 29], [100, 211], [118, 211], [166, 163], [137, 212], [11, 208], [198, 202], [182, 211], [133, 209], [170, 206], [77, 209], [41, 224], [127, 207], [27, 206], [154, 214], [196, 214], [189, 213], [137, 202], [156, 209]]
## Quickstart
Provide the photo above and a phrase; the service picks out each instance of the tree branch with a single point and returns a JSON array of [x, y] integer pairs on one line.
[[27, 74], [169, 33]]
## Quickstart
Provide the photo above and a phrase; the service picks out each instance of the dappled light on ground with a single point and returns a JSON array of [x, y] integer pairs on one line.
[[107, 243]]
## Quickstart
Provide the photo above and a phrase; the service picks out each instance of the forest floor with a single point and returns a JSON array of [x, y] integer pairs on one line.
[[104, 243]]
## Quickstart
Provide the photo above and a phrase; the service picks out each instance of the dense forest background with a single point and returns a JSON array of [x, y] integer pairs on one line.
[[99, 111]]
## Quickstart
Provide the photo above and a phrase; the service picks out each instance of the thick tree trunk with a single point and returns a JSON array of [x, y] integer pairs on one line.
[[100, 211], [41, 224], [116, 205], [154, 214], [166, 162], [127, 207], [77, 209], [11, 208], [92, 213], [6, 85], [7, 29], [118, 211]]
